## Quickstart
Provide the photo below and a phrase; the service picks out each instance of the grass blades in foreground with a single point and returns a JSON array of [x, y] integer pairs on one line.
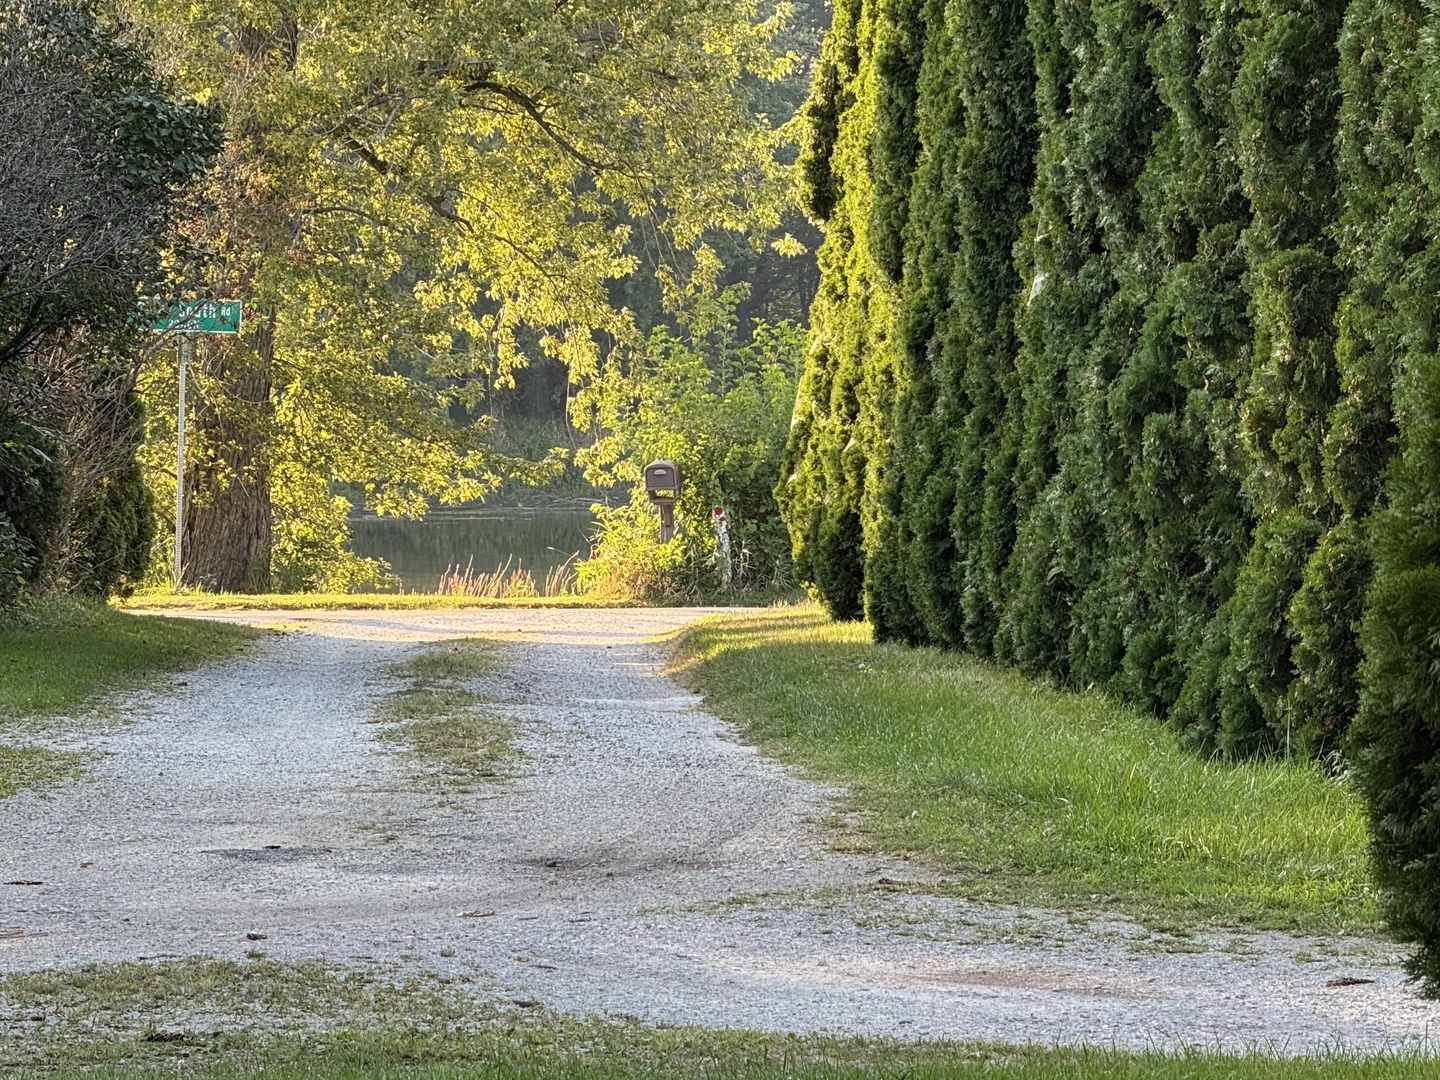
[[441, 721], [1030, 794], [680, 1054], [309, 1020], [61, 656]]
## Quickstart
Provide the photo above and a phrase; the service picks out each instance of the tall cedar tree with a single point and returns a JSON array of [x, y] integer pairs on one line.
[[1116, 98], [1071, 600], [914, 542], [916, 445], [1382, 228], [839, 411], [1174, 406], [1395, 741], [1055, 324], [1286, 101], [950, 491], [901, 41]]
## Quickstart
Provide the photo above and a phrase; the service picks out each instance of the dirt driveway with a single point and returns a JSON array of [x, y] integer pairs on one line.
[[645, 863]]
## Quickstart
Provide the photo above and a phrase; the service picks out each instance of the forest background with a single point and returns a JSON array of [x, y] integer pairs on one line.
[[472, 248]]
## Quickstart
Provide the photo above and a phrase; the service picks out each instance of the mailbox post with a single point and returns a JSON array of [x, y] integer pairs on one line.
[[662, 486]]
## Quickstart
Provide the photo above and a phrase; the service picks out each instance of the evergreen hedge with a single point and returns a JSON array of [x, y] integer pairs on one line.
[[1127, 306], [1389, 345]]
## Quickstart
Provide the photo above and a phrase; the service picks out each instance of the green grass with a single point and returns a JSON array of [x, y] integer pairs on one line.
[[590, 1052], [1028, 794], [442, 722], [315, 1021], [61, 658], [36, 767]]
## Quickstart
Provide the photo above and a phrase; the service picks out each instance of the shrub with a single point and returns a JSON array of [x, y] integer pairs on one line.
[[1396, 736], [720, 410]]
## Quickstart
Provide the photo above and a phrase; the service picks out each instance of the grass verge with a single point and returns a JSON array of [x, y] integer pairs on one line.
[[59, 657], [221, 1018], [1030, 794], [444, 724]]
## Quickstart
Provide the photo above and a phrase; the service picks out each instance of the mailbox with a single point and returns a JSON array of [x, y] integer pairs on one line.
[[662, 487], [662, 482]]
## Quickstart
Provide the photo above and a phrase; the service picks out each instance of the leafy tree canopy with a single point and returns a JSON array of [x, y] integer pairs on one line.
[[416, 194]]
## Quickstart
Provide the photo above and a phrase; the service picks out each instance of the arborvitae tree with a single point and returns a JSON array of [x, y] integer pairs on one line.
[[914, 471], [935, 575], [900, 34], [1055, 322], [1066, 612], [895, 146], [824, 523], [1395, 740], [1286, 100], [1381, 228], [996, 167], [1174, 404], [1117, 101], [832, 457], [1396, 736]]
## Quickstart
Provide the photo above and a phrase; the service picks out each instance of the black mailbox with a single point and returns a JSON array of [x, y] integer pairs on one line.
[[662, 482]]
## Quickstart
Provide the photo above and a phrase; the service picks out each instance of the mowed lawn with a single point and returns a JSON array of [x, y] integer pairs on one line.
[[61, 655], [1022, 792], [61, 658]]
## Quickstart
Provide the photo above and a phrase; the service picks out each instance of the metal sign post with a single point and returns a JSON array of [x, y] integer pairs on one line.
[[184, 358], [187, 317]]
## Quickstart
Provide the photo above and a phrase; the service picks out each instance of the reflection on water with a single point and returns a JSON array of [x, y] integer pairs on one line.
[[419, 551]]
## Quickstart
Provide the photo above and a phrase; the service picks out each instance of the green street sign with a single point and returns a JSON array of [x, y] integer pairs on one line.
[[197, 316]]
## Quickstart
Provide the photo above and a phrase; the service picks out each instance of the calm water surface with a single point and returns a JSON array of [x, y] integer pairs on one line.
[[420, 551]]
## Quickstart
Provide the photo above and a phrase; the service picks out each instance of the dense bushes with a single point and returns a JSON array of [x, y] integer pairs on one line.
[[719, 409], [826, 491], [97, 155], [1118, 409]]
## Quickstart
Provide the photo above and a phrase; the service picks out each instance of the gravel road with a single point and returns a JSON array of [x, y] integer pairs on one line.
[[645, 863]]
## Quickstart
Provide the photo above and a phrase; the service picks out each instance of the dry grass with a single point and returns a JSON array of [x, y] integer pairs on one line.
[[508, 582]]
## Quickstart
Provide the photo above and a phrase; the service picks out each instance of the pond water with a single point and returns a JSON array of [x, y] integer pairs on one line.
[[420, 551]]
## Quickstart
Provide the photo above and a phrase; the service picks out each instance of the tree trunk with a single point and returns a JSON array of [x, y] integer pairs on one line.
[[227, 513]]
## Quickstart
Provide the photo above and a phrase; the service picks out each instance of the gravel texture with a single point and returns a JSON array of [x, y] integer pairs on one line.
[[645, 863]]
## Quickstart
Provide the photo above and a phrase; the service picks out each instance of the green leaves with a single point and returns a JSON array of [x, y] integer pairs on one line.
[[415, 197], [720, 410]]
